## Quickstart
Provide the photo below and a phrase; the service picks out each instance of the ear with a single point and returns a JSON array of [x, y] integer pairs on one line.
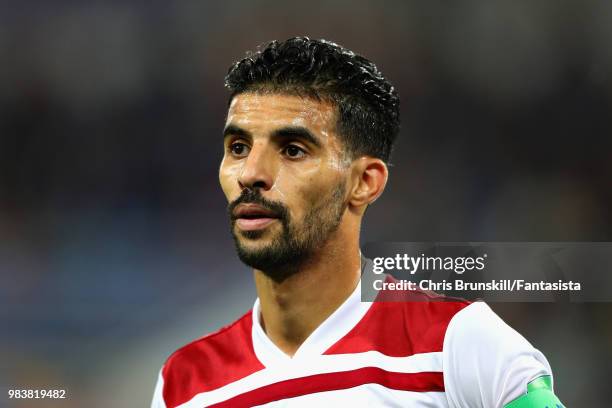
[[369, 177]]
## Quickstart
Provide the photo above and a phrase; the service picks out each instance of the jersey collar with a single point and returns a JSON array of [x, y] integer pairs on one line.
[[336, 326]]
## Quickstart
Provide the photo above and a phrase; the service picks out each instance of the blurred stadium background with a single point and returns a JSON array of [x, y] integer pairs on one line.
[[114, 245]]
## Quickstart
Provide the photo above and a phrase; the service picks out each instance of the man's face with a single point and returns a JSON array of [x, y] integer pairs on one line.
[[284, 173]]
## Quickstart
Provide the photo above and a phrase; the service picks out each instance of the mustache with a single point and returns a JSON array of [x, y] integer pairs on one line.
[[253, 196]]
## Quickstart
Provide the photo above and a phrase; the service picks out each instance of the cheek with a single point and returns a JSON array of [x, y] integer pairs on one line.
[[292, 185], [302, 173], [304, 190], [228, 176]]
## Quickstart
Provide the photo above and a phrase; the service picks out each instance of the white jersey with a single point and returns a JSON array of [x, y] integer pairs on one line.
[[383, 354]]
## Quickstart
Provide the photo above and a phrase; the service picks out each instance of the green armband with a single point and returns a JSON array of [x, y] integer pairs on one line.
[[539, 395]]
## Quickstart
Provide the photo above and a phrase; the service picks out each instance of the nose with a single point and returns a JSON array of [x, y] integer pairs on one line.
[[258, 169]]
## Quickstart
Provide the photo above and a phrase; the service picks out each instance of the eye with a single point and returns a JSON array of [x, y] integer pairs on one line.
[[239, 149], [294, 152]]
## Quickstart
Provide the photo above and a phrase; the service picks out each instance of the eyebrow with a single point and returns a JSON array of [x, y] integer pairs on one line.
[[235, 131], [297, 132], [293, 132]]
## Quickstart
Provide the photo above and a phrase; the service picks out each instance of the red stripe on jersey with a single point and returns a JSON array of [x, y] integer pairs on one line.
[[210, 362], [419, 382], [400, 328]]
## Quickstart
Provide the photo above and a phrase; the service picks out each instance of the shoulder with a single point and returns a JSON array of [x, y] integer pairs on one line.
[[210, 362], [214, 347], [402, 323], [486, 362], [479, 330], [483, 327]]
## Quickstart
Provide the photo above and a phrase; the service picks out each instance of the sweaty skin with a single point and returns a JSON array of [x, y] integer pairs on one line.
[[263, 113], [298, 173]]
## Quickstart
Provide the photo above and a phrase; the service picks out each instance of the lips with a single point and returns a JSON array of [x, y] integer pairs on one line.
[[251, 217], [251, 211]]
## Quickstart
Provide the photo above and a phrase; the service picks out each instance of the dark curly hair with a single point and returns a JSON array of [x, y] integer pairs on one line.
[[368, 105]]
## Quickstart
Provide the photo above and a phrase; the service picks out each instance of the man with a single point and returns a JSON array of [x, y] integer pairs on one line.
[[307, 138]]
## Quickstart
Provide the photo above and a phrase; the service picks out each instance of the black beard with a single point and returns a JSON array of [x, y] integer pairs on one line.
[[296, 244]]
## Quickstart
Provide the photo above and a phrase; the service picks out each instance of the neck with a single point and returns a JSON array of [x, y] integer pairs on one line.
[[292, 309]]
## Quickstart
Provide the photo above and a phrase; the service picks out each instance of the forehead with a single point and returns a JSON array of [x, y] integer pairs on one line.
[[272, 109]]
